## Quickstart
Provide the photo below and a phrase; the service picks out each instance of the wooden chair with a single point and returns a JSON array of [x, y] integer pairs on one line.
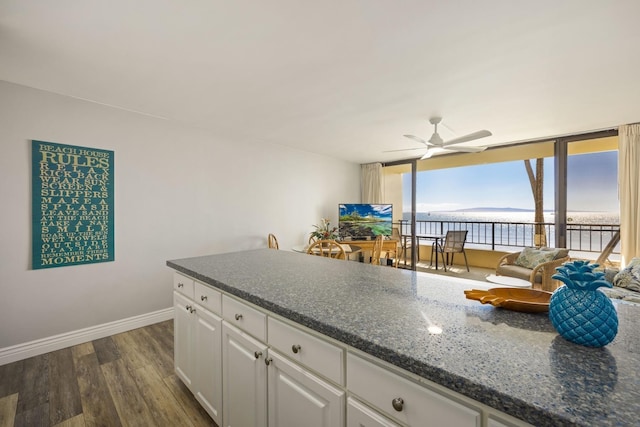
[[327, 248], [376, 253], [382, 257], [272, 241], [453, 244]]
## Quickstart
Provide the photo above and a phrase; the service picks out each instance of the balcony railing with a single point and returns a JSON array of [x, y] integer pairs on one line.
[[506, 235]]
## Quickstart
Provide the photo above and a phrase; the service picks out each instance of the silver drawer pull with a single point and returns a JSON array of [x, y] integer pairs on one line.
[[180, 285], [296, 348], [203, 298], [257, 354], [193, 310], [238, 316], [397, 403], [188, 307], [268, 361]]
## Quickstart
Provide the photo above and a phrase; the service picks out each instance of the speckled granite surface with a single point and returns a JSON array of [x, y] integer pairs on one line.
[[514, 362]]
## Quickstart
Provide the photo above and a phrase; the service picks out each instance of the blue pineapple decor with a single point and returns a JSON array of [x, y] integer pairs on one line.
[[578, 311]]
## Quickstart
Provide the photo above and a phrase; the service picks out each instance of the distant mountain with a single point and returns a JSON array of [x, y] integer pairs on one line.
[[493, 210]]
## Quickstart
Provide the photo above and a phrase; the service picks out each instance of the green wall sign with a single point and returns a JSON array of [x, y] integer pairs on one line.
[[72, 205]]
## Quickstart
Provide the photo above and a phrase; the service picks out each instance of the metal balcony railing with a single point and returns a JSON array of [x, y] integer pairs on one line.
[[505, 235]]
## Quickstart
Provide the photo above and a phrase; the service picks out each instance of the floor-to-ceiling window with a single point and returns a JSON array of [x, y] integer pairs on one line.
[[491, 194], [593, 214]]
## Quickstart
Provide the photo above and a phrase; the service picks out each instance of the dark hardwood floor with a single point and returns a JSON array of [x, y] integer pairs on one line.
[[122, 380]]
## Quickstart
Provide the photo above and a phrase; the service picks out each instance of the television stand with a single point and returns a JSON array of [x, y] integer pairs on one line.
[[388, 245]]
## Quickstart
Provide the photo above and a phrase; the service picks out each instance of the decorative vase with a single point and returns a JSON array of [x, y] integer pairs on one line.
[[579, 312]]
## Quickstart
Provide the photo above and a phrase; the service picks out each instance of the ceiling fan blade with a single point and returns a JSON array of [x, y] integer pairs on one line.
[[466, 149], [470, 137], [404, 149], [427, 155], [415, 138]]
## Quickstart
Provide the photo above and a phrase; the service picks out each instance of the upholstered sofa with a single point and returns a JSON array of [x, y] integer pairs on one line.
[[536, 265], [626, 282]]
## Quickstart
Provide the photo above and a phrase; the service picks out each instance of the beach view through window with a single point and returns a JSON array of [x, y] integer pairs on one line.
[[501, 192]]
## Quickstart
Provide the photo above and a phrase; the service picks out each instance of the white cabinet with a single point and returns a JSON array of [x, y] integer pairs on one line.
[[183, 327], [359, 415], [504, 420], [183, 351], [208, 361], [197, 344], [244, 317], [321, 356], [405, 400], [299, 398], [244, 379], [251, 368]]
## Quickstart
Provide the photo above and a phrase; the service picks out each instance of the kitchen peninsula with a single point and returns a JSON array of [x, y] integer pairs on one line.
[[479, 361]]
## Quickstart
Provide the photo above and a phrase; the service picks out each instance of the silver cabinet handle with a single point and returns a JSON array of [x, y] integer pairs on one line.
[[257, 354], [296, 348], [188, 307], [193, 310], [268, 361], [180, 285], [238, 316], [398, 404], [203, 297]]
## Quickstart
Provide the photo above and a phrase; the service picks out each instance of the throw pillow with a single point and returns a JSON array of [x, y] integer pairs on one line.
[[532, 257], [629, 277]]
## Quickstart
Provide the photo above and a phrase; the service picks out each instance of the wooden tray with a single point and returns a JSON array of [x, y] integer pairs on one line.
[[516, 299]]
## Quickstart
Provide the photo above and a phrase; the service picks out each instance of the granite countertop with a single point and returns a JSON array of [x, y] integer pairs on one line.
[[514, 362]]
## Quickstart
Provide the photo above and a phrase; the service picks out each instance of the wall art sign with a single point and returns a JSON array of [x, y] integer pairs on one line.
[[72, 205]]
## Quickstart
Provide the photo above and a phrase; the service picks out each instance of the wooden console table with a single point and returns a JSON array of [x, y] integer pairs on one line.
[[389, 245]]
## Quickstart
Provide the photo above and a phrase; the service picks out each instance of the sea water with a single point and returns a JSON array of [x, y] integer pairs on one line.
[[586, 231], [515, 216]]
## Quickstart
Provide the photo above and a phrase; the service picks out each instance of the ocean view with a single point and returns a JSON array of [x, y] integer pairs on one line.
[[513, 215], [586, 231]]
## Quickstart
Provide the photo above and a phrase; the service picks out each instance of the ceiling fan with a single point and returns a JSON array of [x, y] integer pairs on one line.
[[437, 142]]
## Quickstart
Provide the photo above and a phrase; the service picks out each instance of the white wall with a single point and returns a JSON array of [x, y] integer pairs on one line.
[[179, 192]]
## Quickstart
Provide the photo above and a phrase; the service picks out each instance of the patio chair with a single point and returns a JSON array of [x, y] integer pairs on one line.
[[405, 243], [536, 265], [272, 241], [453, 244]]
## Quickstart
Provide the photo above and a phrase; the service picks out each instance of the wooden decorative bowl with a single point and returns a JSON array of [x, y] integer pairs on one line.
[[516, 299]]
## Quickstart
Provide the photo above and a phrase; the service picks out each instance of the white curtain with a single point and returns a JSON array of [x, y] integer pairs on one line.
[[371, 183], [629, 185]]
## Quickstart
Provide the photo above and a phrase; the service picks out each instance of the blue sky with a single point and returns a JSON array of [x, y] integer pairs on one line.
[[592, 185]]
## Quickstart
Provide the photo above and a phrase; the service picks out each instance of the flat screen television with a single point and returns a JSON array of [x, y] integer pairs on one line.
[[362, 221]]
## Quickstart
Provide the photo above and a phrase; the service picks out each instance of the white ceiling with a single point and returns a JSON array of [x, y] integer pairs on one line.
[[346, 78]]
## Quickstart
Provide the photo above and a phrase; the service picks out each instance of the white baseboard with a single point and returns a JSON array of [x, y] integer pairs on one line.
[[68, 339]]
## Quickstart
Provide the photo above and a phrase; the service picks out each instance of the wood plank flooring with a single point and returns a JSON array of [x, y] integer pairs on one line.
[[122, 380]]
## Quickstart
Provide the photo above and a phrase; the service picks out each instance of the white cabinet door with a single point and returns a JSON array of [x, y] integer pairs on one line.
[[244, 379], [208, 361], [183, 355], [359, 415], [299, 398]]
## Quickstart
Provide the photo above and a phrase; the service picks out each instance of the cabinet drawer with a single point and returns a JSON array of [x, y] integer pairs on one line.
[[208, 297], [183, 285], [415, 405], [321, 356], [359, 415], [246, 318]]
